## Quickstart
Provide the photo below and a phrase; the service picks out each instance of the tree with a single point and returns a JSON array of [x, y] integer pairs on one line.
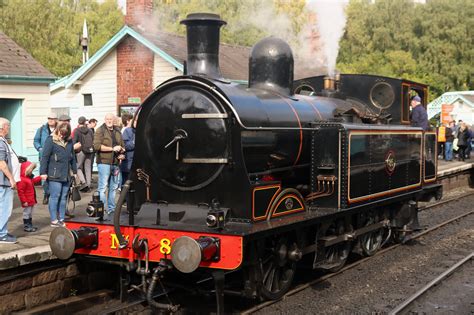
[[49, 29], [248, 21], [430, 43]]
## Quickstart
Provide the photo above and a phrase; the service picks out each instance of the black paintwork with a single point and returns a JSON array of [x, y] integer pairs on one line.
[[369, 173], [372, 95], [430, 157], [264, 133], [202, 34], [271, 66]]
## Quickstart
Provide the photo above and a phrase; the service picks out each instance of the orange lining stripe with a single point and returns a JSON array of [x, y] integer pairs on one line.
[[435, 156], [387, 192], [301, 130], [314, 107], [269, 204], [290, 211], [425, 98]]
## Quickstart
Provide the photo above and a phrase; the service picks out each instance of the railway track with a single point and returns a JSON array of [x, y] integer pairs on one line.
[[113, 306], [444, 201], [363, 260], [415, 297]]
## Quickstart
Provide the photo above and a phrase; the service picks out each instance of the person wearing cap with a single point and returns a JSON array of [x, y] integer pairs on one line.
[[64, 118], [85, 137], [91, 124], [419, 117], [42, 133]]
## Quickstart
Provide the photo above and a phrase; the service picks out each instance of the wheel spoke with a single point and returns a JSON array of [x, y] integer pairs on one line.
[[276, 281], [270, 279], [331, 252], [267, 271], [276, 270]]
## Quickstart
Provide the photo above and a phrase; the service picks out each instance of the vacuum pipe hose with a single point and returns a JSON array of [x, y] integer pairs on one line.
[[118, 209]]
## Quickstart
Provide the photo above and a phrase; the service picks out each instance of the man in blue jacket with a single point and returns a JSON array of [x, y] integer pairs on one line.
[[41, 135], [419, 117]]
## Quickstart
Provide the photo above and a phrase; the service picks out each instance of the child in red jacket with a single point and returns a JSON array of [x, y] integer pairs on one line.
[[27, 194]]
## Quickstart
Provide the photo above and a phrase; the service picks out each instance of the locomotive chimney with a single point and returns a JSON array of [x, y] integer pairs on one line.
[[332, 85], [271, 66], [329, 83], [203, 44]]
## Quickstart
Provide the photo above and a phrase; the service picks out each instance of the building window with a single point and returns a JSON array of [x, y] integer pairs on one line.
[[87, 99], [128, 108]]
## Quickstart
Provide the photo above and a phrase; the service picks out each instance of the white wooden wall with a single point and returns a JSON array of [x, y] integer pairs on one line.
[[464, 112], [35, 109], [101, 82], [163, 71]]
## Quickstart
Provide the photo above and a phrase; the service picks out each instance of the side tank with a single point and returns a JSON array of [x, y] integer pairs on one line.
[[276, 128], [275, 133]]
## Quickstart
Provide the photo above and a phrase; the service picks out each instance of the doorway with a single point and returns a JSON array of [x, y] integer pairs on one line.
[[11, 110]]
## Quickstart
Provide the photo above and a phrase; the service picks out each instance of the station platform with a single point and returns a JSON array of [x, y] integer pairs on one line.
[[34, 247]]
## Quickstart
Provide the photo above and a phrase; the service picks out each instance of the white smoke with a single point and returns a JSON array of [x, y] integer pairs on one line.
[[331, 20], [265, 18]]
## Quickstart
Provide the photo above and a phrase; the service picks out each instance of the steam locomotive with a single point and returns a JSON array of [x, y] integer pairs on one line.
[[255, 177]]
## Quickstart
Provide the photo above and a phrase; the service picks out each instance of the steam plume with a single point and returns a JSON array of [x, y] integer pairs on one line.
[[331, 19]]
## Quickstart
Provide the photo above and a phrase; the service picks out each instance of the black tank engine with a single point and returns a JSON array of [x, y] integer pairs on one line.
[[229, 176]]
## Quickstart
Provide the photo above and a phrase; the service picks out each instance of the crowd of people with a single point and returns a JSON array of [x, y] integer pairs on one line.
[[455, 141], [66, 155]]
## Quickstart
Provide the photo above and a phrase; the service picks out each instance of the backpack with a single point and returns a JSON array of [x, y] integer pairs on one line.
[[87, 142]]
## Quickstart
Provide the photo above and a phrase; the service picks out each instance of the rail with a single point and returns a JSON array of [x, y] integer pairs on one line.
[[358, 262], [430, 285]]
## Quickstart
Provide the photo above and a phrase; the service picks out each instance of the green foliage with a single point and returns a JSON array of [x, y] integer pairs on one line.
[[49, 29], [248, 21], [430, 43]]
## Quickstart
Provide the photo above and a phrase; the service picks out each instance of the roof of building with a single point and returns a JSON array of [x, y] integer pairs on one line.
[[449, 98], [16, 64], [233, 59]]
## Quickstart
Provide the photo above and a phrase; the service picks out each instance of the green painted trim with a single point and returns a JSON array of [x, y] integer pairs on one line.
[[465, 100], [68, 81], [25, 79], [58, 83], [155, 49]]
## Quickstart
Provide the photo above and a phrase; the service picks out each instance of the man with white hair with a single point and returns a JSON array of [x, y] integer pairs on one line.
[[9, 175], [109, 145]]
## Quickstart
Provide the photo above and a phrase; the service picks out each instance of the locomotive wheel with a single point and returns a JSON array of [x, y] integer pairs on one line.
[[399, 236], [336, 255], [372, 241], [276, 270]]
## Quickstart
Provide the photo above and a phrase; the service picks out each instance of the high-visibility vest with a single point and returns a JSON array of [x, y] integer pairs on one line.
[[442, 134]]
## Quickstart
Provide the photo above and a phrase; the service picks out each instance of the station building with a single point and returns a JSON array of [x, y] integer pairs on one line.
[[459, 104], [24, 95], [120, 75]]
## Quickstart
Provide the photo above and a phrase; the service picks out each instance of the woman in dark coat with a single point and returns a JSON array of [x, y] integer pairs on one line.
[[57, 162], [463, 135]]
